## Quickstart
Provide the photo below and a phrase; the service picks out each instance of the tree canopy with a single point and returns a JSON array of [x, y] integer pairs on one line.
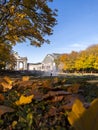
[[21, 20], [26, 19], [7, 59], [86, 60]]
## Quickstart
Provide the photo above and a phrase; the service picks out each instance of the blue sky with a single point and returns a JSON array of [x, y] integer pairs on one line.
[[77, 29]]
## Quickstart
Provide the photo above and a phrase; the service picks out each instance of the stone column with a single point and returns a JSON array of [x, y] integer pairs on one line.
[[17, 65], [25, 64]]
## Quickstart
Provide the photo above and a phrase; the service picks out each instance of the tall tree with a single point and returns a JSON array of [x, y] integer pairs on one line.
[[26, 19], [80, 63], [72, 59], [7, 58], [68, 61], [21, 20]]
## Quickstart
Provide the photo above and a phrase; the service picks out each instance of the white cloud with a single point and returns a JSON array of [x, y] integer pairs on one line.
[[78, 46], [75, 45]]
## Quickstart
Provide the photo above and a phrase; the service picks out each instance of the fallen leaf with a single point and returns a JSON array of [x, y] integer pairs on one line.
[[1, 97], [75, 114], [52, 112], [57, 98], [8, 80], [14, 123], [74, 88], [84, 119], [5, 109], [6, 86], [24, 100], [25, 78]]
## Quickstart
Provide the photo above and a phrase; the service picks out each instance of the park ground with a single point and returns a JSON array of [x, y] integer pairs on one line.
[[42, 103]]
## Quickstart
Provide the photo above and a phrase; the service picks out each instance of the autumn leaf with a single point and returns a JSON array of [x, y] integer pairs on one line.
[[5, 109], [74, 88], [91, 116], [84, 119], [8, 80], [25, 78], [14, 123], [24, 100], [7, 83], [1, 97], [6, 86], [75, 114]]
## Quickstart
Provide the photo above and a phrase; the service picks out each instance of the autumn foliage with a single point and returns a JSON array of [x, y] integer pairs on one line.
[[83, 61], [26, 19], [22, 20]]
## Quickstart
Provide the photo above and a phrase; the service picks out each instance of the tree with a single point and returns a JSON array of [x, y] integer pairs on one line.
[[26, 19], [21, 20], [7, 58], [63, 62], [72, 59], [68, 61], [92, 53], [96, 64], [85, 61], [80, 63], [92, 50]]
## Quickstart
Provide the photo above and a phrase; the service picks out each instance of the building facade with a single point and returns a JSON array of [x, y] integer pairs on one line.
[[21, 62], [48, 64]]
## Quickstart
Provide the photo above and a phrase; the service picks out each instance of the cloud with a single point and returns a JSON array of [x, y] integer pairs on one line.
[[78, 46]]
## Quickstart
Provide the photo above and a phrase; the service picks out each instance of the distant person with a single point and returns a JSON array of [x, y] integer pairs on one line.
[[51, 74]]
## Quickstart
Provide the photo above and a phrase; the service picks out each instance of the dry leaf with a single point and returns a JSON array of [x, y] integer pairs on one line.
[[57, 98], [75, 114], [14, 123], [6, 86], [56, 80], [84, 119], [25, 78], [52, 112], [24, 100], [5, 109], [47, 84], [74, 88], [91, 116], [8, 80], [6, 83], [1, 97]]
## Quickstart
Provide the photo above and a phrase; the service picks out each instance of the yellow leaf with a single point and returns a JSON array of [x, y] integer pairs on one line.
[[14, 123], [25, 78], [75, 114], [91, 116], [8, 80], [78, 108], [24, 100], [6, 86], [84, 119]]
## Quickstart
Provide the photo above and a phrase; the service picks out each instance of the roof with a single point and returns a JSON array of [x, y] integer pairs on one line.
[[50, 57], [34, 63], [55, 55]]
